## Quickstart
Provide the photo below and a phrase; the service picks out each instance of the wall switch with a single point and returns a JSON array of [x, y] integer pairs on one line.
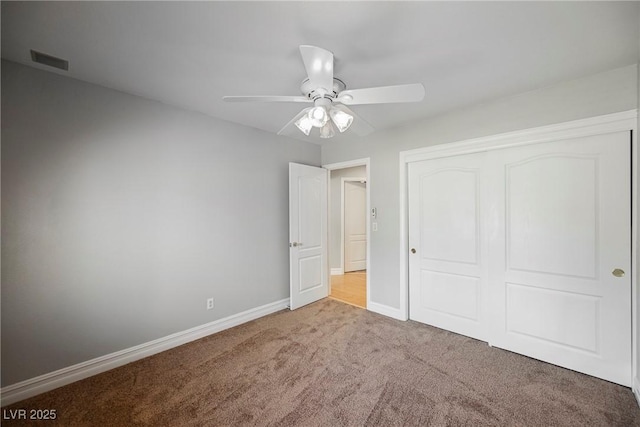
[[209, 303], [374, 226]]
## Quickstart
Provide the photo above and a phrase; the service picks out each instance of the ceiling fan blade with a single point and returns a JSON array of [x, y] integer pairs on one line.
[[290, 126], [266, 99], [319, 65], [359, 126], [382, 94]]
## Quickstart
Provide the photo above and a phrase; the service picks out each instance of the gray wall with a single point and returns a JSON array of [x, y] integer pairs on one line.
[[335, 219], [603, 93], [120, 216]]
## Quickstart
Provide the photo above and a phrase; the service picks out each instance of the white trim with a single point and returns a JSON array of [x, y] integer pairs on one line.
[[385, 310], [342, 193], [34, 386], [608, 123], [616, 122], [636, 389], [404, 239], [347, 164], [366, 162], [635, 161], [337, 271]]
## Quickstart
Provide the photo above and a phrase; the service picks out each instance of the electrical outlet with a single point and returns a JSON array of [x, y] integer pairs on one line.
[[209, 303]]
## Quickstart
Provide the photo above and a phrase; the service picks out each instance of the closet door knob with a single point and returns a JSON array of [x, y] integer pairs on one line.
[[618, 272], [413, 250]]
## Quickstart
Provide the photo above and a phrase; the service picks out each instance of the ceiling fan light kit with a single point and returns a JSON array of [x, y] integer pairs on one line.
[[318, 116], [341, 119], [304, 123], [330, 97], [327, 131]]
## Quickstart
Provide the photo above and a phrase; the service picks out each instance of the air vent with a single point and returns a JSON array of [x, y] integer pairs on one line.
[[51, 61]]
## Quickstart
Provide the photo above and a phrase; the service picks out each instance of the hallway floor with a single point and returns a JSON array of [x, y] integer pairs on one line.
[[350, 288]]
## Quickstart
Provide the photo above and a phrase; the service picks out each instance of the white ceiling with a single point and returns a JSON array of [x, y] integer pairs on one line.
[[191, 54]]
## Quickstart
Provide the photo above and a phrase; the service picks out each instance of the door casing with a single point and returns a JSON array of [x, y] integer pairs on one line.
[[348, 164]]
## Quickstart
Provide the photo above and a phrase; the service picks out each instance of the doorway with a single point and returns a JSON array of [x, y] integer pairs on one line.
[[349, 228]]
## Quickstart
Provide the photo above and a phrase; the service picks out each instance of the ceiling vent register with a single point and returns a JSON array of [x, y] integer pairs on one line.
[[50, 61]]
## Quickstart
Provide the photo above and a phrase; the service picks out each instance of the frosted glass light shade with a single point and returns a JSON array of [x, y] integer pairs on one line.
[[341, 119], [304, 124], [318, 116], [327, 131]]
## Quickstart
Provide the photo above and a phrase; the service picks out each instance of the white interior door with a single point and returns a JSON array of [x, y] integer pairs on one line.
[[564, 215], [307, 234], [355, 226], [447, 259]]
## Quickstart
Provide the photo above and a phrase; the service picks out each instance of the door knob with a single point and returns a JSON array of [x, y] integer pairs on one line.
[[618, 272], [413, 250], [295, 244]]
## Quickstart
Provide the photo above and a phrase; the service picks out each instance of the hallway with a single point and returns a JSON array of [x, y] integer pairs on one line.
[[350, 288]]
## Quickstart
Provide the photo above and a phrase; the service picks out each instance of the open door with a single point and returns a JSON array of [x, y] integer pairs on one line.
[[307, 234]]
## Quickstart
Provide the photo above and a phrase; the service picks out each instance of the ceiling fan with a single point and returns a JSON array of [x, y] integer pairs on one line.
[[330, 97]]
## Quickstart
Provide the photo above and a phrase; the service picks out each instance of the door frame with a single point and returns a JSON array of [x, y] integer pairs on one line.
[[343, 165], [616, 122], [342, 213]]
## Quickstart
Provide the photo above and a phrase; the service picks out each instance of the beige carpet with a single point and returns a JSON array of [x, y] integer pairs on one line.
[[331, 364]]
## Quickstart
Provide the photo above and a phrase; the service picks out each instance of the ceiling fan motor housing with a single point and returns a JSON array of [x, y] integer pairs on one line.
[[316, 93]]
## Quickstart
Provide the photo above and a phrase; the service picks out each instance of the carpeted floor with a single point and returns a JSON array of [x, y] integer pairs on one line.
[[332, 364]]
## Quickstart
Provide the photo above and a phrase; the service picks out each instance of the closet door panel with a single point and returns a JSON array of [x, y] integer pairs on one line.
[[447, 259], [562, 216]]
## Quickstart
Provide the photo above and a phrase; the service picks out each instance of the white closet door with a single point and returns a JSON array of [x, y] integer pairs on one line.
[[562, 225], [447, 259]]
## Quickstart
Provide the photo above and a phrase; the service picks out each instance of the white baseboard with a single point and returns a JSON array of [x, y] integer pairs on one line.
[[636, 389], [34, 386], [337, 271], [385, 310]]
